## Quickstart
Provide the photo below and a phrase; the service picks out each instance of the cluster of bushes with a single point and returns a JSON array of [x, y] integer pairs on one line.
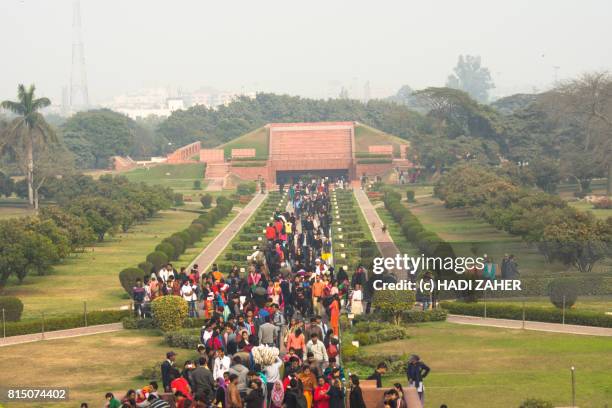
[[375, 332], [87, 210], [65, 322], [407, 316], [560, 231], [532, 313], [396, 363], [171, 248]]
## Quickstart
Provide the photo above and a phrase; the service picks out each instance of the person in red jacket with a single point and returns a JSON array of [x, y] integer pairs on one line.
[[270, 232], [321, 398]]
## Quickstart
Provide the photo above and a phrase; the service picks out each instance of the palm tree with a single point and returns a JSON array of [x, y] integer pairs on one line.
[[27, 131]]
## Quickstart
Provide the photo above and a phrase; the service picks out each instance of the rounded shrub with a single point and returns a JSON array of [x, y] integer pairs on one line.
[[536, 403], [206, 200], [168, 249], [560, 288], [177, 242], [203, 223], [158, 259], [13, 307], [169, 312], [128, 278], [147, 267], [178, 199], [410, 196], [186, 237], [196, 230]]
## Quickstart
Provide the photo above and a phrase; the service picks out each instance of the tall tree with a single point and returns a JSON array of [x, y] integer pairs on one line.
[[584, 105], [471, 77], [96, 135], [26, 132]]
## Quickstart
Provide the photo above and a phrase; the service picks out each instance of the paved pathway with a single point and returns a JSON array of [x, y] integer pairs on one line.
[[529, 325], [217, 245], [61, 334], [385, 243]]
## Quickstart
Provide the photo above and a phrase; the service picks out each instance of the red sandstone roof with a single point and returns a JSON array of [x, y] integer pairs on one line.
[[302, 124]]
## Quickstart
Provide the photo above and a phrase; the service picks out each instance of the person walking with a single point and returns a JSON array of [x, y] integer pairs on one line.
[[416, 372]]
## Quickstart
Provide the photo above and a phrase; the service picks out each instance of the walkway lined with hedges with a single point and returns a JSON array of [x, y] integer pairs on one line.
[[204, 260], [530, 325], [61, 334], [217, 245], [383, 240]]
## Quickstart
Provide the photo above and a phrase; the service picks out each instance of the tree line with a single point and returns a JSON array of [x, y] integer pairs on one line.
[[564, 133], [561, 232], [86, 211]]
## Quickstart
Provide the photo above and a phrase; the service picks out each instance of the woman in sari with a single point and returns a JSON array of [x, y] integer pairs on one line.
[[334, 315], [309, 382]]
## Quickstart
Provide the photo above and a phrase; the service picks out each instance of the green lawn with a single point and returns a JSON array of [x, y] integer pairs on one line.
[[90, 366], [179, 177], [93, 275], [490, 367]]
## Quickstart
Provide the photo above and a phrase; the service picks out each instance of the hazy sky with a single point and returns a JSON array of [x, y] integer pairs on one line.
[[299, 47]]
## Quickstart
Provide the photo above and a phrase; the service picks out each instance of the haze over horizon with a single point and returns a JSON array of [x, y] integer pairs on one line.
[[301, 49]]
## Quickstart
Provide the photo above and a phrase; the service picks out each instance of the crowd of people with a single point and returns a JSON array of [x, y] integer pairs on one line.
[[272, 333]]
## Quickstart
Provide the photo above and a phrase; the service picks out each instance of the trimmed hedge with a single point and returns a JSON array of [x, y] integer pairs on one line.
[[563, 293], [182, 339], [206, 200], [168, 249], [132, 323], [65, 322], [13, 307], [146, 267], [374, 332], [408, 316], [178, 244], [158, 259], [128, 277], [532, 313]]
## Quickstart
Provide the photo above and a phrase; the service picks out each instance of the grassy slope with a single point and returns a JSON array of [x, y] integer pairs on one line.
[[257, 139], [179, 177], [490, 367], [93, 275], [119, 360], [366, 136]]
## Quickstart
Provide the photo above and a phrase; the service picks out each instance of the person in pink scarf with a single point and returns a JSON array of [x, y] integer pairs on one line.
[[278, 395]]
